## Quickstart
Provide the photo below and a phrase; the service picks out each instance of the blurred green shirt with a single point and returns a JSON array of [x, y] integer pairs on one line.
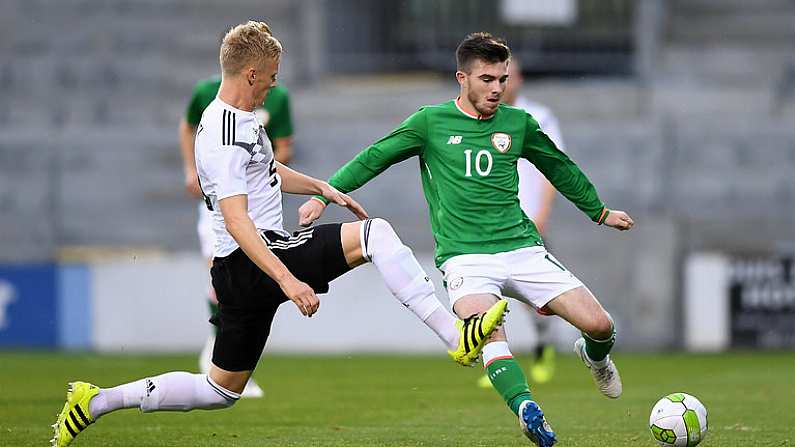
[[274, 114]]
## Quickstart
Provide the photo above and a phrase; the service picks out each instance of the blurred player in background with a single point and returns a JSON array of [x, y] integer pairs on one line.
[[274, 114], [536, 196], [486, 246], [257, 265]]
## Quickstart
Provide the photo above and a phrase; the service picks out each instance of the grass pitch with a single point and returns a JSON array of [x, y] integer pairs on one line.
[[380, 400]]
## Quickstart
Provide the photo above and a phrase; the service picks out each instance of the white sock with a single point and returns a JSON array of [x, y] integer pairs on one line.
[[108, 399], [443, 324], [173, 391], [406, 279], [494, 351]]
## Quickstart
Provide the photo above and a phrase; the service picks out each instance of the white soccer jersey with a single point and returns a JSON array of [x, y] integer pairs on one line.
[[234, 156], [530, 179]]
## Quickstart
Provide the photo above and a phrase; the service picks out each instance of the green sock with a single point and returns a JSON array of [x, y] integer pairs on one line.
[[509, 380], [597, 350]]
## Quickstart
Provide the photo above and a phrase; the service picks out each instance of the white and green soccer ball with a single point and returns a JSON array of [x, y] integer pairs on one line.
[[678, 420]]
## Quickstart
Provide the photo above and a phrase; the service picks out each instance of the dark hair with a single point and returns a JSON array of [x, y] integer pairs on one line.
[[481, 46]]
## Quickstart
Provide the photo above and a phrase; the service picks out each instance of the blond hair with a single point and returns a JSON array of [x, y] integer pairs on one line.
[[248, 43]]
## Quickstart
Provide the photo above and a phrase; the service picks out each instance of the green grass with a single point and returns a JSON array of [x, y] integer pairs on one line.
[[407, 401]]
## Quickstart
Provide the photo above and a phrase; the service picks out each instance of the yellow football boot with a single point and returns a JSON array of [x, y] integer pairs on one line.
[[74, 417], [475, 331]]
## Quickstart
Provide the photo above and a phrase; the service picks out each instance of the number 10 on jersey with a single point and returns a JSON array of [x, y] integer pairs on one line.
[[478, 162]]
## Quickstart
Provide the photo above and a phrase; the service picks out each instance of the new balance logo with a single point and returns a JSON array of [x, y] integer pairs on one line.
[[455, 139], [150, 386]]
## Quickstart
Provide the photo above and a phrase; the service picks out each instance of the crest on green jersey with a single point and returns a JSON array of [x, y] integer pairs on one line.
[[501, 141]]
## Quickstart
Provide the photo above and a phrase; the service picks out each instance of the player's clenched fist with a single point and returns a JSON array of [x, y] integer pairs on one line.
[[619, 220], [302, 295], [310, 211]]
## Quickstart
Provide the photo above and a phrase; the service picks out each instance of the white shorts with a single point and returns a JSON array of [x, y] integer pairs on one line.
[[205, 229], [531, 275]]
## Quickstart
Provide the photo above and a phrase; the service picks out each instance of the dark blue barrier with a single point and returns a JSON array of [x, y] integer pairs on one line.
[[28, 306]]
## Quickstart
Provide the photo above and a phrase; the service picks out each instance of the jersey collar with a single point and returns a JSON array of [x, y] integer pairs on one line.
[[472, 115]]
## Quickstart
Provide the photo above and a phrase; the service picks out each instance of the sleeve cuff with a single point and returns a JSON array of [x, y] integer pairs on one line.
[[321, 199], [227, 194], [602, 216]]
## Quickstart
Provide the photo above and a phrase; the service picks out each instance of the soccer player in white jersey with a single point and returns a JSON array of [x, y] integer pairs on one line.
[[274, 114], [257, 265], [536, 196]]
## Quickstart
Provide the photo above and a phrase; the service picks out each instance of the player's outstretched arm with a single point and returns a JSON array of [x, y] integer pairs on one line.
[[619, 220], [404, 142], [297, 183], [294, 182], [313, 208]]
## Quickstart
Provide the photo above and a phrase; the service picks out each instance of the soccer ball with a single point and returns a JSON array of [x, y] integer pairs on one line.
[[678, 420]]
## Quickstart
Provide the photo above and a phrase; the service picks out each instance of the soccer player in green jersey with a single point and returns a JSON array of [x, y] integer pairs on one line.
[[486, 246], [274, 114]]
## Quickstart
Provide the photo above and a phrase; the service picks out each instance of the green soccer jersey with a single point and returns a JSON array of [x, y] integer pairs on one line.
[[274, 114], [469, 176]]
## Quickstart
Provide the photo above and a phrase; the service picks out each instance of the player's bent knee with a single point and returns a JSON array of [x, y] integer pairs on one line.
[[382, 229], [379, 239], [601, 327]]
